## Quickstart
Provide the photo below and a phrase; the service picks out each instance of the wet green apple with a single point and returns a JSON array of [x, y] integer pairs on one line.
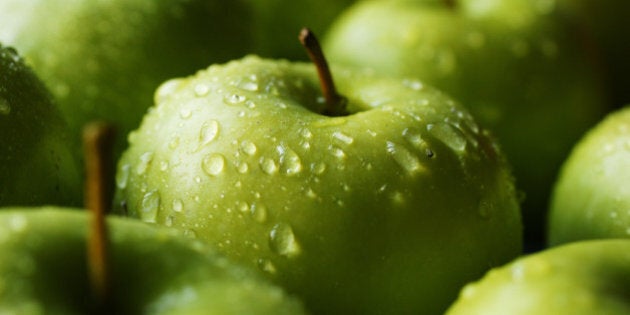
[[511, 63], [388, 206], [582, 278], [102, 60], [276, 21], [153, 270], [591, 197], [37, 161]]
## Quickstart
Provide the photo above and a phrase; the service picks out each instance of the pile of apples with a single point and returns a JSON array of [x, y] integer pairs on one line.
[[428, 157]]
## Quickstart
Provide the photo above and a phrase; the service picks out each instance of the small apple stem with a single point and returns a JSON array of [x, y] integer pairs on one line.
[[98, 142], [335, 103]]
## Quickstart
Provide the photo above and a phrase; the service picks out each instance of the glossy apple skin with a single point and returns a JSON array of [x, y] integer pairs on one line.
[[37, 162], [582, 278], [153, 270], [367, 213], [102, 60], [522, 75], [591, 197]]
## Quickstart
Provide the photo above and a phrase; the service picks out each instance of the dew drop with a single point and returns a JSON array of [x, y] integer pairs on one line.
[[234, 99], [268, 165], [185, 113], [208, 132], [306, 133], [403, 157], [248, 86], [149, 207], [337, 152], [122, 176], [318, 168], [213, 164], [414, 138], [267, 266], [290, 161], [413, 84], [201, 90], [450, 136], [283, 242], [178, 205], [143, 164], [168, 221], [242, 206], [342, 137], [258, 212], [242, 167], [190, 233], [167, 89], [5, 107], [248, 147], [163, 166]]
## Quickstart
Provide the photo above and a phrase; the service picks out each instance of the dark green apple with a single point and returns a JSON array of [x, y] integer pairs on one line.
[[388, 207], [591, 198], [582, 278], [275, 22], [37, 161], [153, 270], [521, 73], [103, 59]]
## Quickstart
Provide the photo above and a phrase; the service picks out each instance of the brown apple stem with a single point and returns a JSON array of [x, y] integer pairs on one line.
[[335, 103], [98, 142]]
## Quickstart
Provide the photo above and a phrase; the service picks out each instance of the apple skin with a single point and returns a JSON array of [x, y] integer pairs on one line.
[[591, 197], [102, 60], [387, 210], [582, 278], [37, 161], [509, 62], [154, 270], [277, 21]]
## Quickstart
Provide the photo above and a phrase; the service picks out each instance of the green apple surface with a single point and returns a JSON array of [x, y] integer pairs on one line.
[[154, 270], [102, 60], [606, 22], [37, 161], [582, 278], [591, 197], [389, 209], [521, 74]]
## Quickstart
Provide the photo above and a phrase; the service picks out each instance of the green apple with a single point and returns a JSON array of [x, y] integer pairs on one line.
[[103, 59], [276, 21], [582, 278], [605, 21], [519, 71], [37, 161], [591, 197], [388, 207], [154, 270]]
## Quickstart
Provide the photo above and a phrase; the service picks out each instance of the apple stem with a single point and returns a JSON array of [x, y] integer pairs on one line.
[[335, 103], [98, 142]]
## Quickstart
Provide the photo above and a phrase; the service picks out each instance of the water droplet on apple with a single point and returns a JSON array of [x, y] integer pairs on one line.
[[306, 133], [242, 206], [174, 143], [258, 212], [234, 99], [283, 242], [248, 86], [145, 160], [5, 107], [213, 164], [178, 205], [122, 176], [190, 233], [208, 132], [185, 113], [318, 168], [449, 135], [337, 152], [248, 147], [166, 89], [290, 161], [168, 221], [342, 137], [414, 138], [201, 90], [266, 265], [242, 167], [149, 206], [269, 166], [310, 193], [403, 157]]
